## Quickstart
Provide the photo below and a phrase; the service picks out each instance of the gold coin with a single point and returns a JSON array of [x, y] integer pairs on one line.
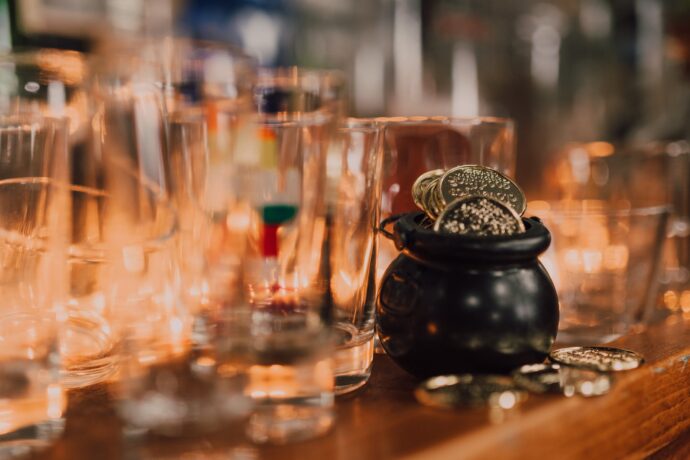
[[467, 390], [436, 200], [479, 180], [422, 182], [479, 216], [427, 201], [539, 378], [603, 359], [433, 203]]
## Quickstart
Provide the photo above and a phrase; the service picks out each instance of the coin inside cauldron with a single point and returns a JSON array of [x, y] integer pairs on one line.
[[421, 183], [466, 390], [429, 202], [603, 359], [479, 180], [479, 216], [539, 378]]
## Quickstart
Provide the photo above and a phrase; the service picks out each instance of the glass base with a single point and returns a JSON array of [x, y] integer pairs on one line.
[[88, 353], [30, 439], [353, 358], [285, 423]]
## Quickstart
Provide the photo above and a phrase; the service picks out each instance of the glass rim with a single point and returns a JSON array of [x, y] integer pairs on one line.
[[359, 124], [296, 74], [28, 55], [9, 120], [445, 120], [319, 117]]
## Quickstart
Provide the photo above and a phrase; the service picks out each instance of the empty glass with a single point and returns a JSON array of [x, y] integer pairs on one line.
[[604, 260], [123, 281], [354, 191], [644, 175], [207, 91], [122, 269], [281, 158], [33, 204]]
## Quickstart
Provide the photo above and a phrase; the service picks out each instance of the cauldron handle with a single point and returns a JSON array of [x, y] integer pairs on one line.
[[386, 222]]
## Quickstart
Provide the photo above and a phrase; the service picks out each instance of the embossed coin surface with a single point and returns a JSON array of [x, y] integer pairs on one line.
[[603, 359], [479, 180], [448, 391], [423, 182], [479, 216], [539, 378]]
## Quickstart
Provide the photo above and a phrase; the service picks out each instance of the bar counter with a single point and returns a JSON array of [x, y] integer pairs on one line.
[[646, 414]]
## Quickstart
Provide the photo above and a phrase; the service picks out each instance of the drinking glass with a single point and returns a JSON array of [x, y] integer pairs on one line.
[[207, 91], [354, 175], [605, 261], [33, 203], [414, 145], [122, 270], [123, 281], [649, 174], [281, 156], [265, 247]]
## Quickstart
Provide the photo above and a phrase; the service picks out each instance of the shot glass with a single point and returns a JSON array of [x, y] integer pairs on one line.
[[207, 88], [354, 191], [33, 203], [263, 201], [605, 260], [648, 174], [123, 282], [282, 154]]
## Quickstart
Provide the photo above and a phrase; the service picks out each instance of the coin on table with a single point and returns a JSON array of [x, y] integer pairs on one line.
[[603, 359], [585, 382], [479, 216], [539, 378], [480, 180], [467, 390], [422, 182]]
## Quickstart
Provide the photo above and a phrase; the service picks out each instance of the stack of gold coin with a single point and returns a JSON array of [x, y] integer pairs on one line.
[[470, 200]]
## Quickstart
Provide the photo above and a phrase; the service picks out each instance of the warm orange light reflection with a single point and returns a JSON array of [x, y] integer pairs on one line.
[[286, 381], [599, 149]]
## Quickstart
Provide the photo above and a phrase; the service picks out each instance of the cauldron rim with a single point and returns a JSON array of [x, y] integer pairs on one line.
[[426, 244]]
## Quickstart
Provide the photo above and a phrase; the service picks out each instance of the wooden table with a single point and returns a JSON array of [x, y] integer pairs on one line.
[[647, 413]]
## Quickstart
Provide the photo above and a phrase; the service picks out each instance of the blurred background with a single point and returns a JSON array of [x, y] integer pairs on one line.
[[611, 71]]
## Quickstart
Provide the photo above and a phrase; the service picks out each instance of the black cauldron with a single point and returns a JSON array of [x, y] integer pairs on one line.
[[454, 304]]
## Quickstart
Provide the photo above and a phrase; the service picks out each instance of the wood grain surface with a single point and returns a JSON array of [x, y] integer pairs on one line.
[[647, 413]]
